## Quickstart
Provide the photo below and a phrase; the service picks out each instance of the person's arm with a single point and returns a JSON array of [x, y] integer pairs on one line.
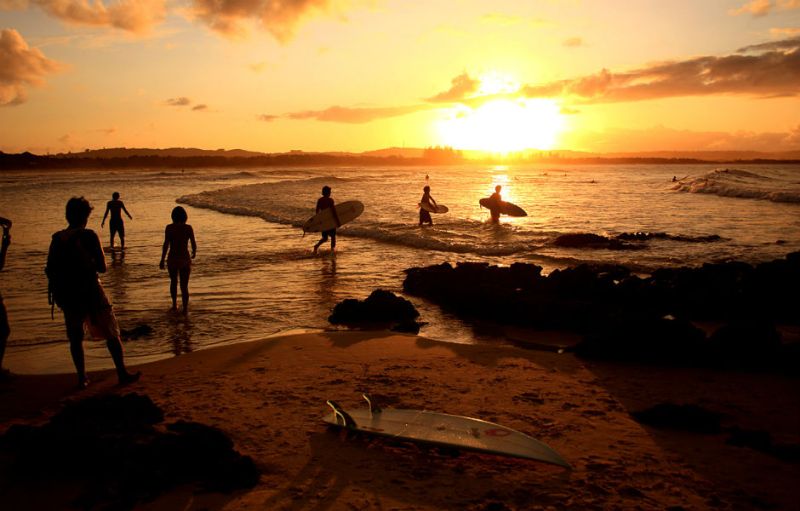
[[432, 200], [191, 239], [105, 215], [96, 250], [6, 242], [126, 211], [164, 247]]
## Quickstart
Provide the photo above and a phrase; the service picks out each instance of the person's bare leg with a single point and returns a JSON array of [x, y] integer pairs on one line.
[[184, 275], [75, 336], [173, 287], [115, 348]]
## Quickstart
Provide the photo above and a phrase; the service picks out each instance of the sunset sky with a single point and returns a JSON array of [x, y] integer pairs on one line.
[[327, 75]]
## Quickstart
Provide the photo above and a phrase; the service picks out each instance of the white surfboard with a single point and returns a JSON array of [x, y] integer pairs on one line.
[[324, 220], [443, 429], [440, 208]]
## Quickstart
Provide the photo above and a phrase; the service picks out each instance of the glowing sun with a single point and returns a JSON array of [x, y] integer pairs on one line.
[[504, 124]]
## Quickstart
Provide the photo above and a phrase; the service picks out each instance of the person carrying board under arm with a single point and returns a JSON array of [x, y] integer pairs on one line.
[[323, 203]]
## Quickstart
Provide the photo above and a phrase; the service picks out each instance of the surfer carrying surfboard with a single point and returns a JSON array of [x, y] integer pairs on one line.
[[326, 202], [495, 197], [424, 212]]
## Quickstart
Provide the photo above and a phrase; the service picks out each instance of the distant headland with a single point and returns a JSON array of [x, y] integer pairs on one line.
[[180, 157]]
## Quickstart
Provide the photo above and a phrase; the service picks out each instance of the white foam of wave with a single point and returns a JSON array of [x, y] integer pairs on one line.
[[743, 184]]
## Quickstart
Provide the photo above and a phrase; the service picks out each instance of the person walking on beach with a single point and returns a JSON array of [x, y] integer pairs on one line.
[[73, 262], [5, 331], [177, 236], [426, 200], [116, 225], [497, 199], [323, 203]]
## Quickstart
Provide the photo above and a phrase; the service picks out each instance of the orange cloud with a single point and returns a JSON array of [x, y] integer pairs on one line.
[[268, 118], [759, 8], [573, 42], [462, 87], [352, 115], [278, 17], [181, 101], [136, 16], [200, 108], [768, 69], [784, 32], [20, 67]]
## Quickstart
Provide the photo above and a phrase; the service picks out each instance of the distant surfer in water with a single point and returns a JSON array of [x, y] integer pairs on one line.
[[116, 207], [177, 236], [497, 199], [323, 203], [426, 200]]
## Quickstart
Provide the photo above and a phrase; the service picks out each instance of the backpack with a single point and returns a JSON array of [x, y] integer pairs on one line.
[[71, 275]]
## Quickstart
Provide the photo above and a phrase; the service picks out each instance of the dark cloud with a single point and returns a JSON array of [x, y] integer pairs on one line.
[[181, 101], [279, 17], [462, 86], [201, 107], [135, 16], [773, 70], [20, 67], [354, 115]]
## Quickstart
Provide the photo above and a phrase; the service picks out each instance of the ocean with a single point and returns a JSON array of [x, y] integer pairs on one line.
[[255, 274]]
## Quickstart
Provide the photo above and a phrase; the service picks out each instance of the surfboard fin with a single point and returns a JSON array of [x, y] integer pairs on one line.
[[339, 413], [373, 408]]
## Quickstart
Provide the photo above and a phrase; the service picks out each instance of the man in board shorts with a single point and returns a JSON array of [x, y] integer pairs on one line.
[[116, 207]]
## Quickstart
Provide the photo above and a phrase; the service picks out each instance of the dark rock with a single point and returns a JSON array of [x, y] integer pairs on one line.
[[136, 332], [380, 307], [592, 241], [114, 446], [746, 342]]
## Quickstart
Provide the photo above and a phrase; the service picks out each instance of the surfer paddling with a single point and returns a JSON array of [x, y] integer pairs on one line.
[[326, 202], [426, 205], [116, 225], [179, 263]]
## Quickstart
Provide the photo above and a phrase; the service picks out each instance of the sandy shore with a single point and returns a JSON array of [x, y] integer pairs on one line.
[[269, 397]]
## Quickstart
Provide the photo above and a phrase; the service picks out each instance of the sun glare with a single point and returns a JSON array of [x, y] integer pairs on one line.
[[504, 125]]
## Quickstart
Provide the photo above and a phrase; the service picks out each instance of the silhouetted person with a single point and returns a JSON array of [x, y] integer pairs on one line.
[[426, 200], [323, 203], [116, 225], [4, 328], [177, 236], [497, 199], [73, 262]]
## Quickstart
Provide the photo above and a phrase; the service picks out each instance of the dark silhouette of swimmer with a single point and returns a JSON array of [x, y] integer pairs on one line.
[[323, 203], [73, 262], [424, 214], [116, 225], [177, 236], [674, 178], [5, 331], [497, 199]]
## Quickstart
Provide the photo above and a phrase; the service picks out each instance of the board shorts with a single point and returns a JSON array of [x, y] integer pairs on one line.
[[331, 233], [117, 226], [425, 216], [101, 323]]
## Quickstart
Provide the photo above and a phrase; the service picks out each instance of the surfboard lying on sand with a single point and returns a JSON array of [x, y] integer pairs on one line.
[[440, 208], [505, 208], [443, 429], [324, 221]]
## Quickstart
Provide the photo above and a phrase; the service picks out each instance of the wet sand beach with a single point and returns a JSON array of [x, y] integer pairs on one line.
[[269, 398]]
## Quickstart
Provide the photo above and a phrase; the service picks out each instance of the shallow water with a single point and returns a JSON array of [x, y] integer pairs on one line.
[[255, 274]]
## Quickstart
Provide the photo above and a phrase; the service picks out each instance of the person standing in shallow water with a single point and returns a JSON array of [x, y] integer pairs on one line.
[[424, 214], [5, 331], [115, 225], [73, 262], [177, 236], [497, 199], [323, 203]]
